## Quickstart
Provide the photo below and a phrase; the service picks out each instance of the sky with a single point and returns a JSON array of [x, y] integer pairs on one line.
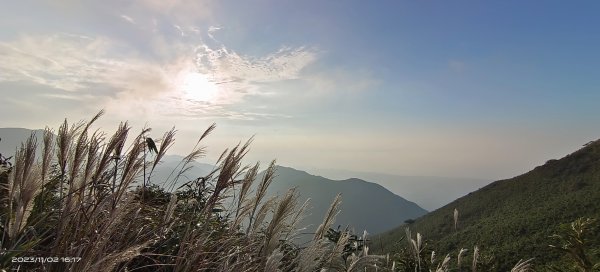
[[483, 89]]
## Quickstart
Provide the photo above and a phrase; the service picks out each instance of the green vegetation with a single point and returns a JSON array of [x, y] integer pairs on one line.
[[75, 205], [573, 239], [518, 218]]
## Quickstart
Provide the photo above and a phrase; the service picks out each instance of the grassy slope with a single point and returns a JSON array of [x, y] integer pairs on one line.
[[513, 219]]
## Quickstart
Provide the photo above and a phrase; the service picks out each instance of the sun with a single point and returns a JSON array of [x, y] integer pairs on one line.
[[197, 87]]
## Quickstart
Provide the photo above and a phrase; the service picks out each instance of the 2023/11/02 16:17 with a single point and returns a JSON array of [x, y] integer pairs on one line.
[[45, 259]]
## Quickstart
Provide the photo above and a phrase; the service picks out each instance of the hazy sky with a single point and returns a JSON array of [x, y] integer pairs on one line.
[[484, 89]]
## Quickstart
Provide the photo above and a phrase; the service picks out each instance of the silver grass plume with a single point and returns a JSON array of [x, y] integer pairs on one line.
[[460, 254], [329, 218], [522, 266], [475, 257], [455, 219]]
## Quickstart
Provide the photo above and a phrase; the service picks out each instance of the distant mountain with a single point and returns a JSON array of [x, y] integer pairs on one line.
[[169, 167], [428, 192], [13, 137], [513, 219], [365, 205]]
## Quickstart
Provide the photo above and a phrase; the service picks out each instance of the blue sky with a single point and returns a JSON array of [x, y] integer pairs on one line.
[[484, 89]]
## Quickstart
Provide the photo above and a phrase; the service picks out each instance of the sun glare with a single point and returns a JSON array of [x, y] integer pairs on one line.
[[196, 86]]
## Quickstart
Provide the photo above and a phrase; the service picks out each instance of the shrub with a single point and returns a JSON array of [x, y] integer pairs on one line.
[[78, 206]]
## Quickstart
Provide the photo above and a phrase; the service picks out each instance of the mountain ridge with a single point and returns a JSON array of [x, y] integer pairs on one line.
[[428, 192], [362, 201], [354, 212], [512, 219]]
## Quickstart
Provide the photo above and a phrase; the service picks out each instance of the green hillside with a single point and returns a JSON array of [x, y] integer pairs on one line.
[[513, 219]]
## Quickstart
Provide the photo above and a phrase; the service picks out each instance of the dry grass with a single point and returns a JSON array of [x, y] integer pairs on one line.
[[78, 199]]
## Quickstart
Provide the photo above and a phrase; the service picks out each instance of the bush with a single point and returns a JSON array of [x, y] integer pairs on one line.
[[79, 207]]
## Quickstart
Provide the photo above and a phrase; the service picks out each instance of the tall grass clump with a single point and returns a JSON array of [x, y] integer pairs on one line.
[[417, 256], [79, 206], [574, 240], [414, 254]]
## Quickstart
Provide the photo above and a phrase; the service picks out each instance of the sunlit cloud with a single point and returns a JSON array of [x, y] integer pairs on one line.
[[263, 68], [204, 82], [53, 60], [281, 65], [239, 75], [172, 67], [75, 63]]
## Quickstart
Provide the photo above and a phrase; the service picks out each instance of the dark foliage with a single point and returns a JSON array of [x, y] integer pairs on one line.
[[513, 219]]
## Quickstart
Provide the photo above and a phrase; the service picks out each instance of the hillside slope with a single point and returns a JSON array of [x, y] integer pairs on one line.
[[169, 168], [429, 192], [365, 205], [13, 137], [513, 219]]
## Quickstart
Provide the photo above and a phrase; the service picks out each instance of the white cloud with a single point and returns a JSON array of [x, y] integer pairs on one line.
[[113, 76], [240, 75], [74, 63], [180, 30], [56, 60], [127, 18], [211, 30], [228, 65]]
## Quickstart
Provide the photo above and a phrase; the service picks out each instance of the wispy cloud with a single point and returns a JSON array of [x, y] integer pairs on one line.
[[81, 65], [75, 63], [211, 30], [229, 65], [143, 65], [240, 75], [127, 18], [65, 62]]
